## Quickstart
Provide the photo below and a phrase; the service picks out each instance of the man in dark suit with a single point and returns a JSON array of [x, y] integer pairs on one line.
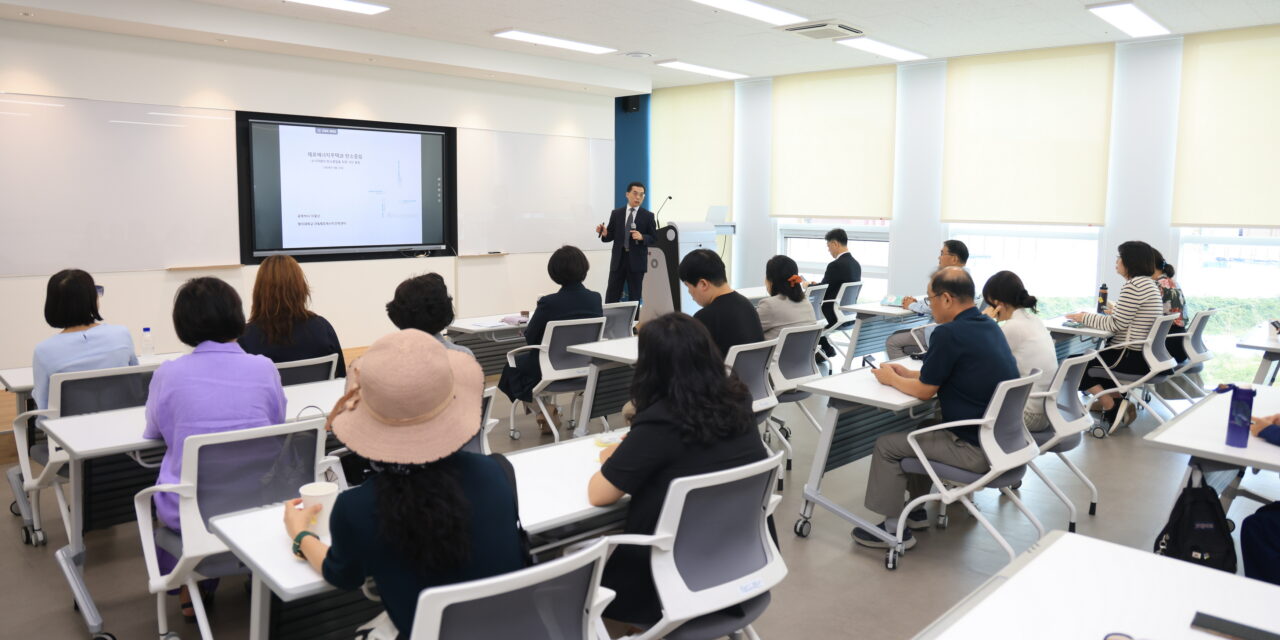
[[839, 271], [631, 230]]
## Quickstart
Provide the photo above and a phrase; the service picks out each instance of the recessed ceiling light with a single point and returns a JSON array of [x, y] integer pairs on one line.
[[638, 54], [1127, 17], [32, 102], [881, 49], [186, 115], [149, 124], [775, 17], [13, 113], [697, 68], [26, 14], [353, 6], [222, 40], [533, 38]]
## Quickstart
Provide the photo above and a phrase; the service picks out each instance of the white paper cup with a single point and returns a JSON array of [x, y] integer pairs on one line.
[[324, 494]]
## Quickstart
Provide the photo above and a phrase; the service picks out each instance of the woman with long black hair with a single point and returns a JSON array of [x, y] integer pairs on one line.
[[691, 418], [786, 305], [433, 515]]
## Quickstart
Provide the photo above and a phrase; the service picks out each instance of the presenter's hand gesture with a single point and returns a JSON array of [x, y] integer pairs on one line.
[[599, 229], [635, 235]]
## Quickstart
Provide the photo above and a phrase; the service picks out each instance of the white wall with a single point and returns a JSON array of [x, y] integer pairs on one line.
[[83, 64]]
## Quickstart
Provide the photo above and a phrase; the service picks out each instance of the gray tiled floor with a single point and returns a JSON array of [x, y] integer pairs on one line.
[[834, 589]]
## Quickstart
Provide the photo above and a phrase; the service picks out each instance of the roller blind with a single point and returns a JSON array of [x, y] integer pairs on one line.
[[833, 136], [1227, 170], [691, 149], [1027, 136]]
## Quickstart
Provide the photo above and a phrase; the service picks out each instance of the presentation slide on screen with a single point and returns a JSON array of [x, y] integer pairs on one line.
[[349, 187]]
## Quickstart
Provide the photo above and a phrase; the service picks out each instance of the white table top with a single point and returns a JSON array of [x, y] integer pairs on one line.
[[484, 324], [1038, 596], [22, 379], [877, 309], [754, 294], [552, 481], [624, 350], [120, 431], [1260, 338], [861, 386], [1054, 325], [1202, 432]]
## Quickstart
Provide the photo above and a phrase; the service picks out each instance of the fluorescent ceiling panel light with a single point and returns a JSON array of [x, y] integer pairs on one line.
[[1127, 17], [548, 41], [186, 115], [697, 68], [149, 124], [13, 113], [775, 17], [366, 8], [881, 49], [38, 104]]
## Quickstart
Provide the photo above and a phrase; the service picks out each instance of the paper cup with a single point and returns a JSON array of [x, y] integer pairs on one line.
[[324, 494]]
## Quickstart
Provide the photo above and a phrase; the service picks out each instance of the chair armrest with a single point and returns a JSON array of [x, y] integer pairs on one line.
[[329, 469], [915, 446], [511, 355], [146, 530], [911, 435], [1120, 345], [666, 543], [774, 500], [20, 437], [604, 596], [1042, 394]]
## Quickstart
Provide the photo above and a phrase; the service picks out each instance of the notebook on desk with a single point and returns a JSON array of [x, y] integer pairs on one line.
[[892, 301]]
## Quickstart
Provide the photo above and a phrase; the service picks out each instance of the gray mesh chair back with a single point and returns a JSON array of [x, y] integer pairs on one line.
[[1159, 350], [476, 443], [750, 362], [720, 539], [310, 370], [794, 363], [254, 471], [102, 390], [816, 293], [619, 318], [567, 333], [1193, 342], [849, 293], [1070, 372], [1010, 430]]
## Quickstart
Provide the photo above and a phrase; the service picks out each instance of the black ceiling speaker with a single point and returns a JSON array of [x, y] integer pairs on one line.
[[631, 104]]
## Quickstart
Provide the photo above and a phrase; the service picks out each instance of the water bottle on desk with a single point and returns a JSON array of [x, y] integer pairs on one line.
[[148, 347], [1102, 298], [1239, 414]]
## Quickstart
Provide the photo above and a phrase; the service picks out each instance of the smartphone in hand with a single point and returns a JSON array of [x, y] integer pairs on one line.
[[870, 361]]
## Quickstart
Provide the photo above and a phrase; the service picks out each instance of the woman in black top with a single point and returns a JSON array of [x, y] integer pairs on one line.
[[691, 418], [280, 326], [567, 268]]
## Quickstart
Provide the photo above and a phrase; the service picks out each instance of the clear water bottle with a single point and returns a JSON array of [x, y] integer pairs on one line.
[[148, 347]]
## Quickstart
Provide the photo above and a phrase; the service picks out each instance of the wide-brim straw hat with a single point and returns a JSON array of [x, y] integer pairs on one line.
[[409, 400]]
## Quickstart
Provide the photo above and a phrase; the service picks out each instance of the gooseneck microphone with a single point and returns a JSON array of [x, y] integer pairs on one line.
[[656, 221]]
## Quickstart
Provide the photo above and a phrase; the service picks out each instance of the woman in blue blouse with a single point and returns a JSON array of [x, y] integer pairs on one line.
[[85, 343]]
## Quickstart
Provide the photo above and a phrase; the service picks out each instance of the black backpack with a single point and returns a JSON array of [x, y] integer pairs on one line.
[[1197, 531]]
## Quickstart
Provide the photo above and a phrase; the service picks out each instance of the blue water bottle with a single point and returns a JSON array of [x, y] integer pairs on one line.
[[1241, 412]]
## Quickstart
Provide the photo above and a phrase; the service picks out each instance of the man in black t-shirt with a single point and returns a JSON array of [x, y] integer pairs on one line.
[[728, 315]]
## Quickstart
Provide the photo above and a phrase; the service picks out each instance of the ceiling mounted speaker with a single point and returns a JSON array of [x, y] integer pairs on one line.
[[823, 30]]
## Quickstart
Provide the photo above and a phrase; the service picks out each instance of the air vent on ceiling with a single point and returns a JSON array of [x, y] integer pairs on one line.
[[823, 30]]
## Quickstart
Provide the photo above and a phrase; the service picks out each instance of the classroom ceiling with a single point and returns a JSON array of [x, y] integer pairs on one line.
[[666, 29]]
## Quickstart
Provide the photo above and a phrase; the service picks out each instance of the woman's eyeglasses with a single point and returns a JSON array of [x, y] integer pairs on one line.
[[101, 289]]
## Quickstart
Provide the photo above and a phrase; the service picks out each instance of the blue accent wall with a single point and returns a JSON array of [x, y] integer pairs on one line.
[[631, 148]]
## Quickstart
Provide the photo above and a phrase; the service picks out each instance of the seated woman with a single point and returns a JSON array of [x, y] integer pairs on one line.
[[787, 305], [433, 515], [215, 388], [1010, 305], [281, 327], [567, 268], [691, 418], [71, 304], [1136, 309], [1174, 302], [423, 303]]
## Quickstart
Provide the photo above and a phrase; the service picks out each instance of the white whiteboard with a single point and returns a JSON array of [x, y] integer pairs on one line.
[[82, 184], [527, 193]]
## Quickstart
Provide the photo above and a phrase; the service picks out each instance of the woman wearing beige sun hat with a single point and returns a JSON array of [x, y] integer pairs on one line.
[[432, 515]]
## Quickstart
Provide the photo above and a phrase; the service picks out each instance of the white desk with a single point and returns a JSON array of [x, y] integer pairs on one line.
[[1201, 431], [1263, 339], [1057, 327], [95, 435], [20, 380], [754, 294], [1151, 596], [551, 480], [860, 409], [485, 326], [622, 351], [877, 309]]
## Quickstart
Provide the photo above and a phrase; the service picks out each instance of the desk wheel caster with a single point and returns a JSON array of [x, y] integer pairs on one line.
[[1098, 432], [803, 527], [943, 521], [891, 559], [785, 431], [515, 435], [13, 508], [34, 537], [170, 636], [105, 636]]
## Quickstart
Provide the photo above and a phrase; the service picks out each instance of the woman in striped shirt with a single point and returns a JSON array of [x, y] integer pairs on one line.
[[1135, 311]]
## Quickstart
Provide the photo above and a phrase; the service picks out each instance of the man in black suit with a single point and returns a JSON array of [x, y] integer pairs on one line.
[[839, 271], [631, 230]]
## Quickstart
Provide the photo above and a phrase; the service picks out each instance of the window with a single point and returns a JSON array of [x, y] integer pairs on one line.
[[1237, 271], [802, 239], [1037, 253]]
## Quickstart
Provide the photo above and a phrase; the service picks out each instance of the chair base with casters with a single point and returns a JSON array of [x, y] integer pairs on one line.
[[1135, 391], [1065, 445], [561, 371]]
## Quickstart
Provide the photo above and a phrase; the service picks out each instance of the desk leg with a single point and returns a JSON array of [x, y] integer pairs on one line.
[[1264, 368], [259, 609], [71, 558], [588, 400]]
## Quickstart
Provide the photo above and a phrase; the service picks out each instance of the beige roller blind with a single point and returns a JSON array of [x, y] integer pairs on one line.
[[833, 136], [1027, 136], [691, 150], [1228, 159]]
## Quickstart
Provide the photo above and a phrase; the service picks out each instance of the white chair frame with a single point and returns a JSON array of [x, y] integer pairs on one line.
[[332, 359], [1064, 428], [842, 318], [635, 314], [763, 406], [1195, 356], [1156, 367], [550, 374]]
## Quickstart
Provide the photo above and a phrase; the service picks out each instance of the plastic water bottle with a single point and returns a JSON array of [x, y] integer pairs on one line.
[[1238, 418], [148, 347], [1102, 298]]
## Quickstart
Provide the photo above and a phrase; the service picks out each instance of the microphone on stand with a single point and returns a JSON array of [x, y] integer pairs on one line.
[[656, 221]]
